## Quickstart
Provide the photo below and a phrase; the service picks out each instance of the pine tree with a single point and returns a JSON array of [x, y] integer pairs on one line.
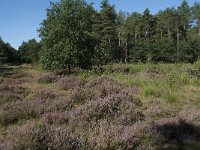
[[196, 15], [185, 17], [108, 31]]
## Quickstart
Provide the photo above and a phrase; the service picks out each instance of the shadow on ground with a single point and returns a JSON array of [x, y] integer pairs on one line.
[[178, 135]]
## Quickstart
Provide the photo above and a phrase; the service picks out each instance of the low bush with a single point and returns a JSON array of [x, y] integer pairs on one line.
[[116, 108], [13, 112], [42, 137]]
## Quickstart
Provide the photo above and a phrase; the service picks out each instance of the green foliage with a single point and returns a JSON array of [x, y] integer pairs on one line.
[[67, 36], [29, 51], [139, 51], [7, 53], [69, 40], [196, 15], [164, 50], [108, 31]]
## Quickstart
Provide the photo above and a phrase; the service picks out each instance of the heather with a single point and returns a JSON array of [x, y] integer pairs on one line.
[[149, 107]]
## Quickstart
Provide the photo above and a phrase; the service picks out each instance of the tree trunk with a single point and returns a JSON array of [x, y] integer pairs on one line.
[[135, 37], [109, 42], [119, 39], [184, 33], [199, 28], [126, 53], [169, 33], [178, 42], [69, 68]]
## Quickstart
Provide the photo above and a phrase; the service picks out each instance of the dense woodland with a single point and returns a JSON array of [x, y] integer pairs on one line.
[[74, 34]]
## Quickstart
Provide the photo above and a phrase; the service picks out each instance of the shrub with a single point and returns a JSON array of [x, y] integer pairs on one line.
[[194, 72], [117, 108], [42, 137], [13, 112]]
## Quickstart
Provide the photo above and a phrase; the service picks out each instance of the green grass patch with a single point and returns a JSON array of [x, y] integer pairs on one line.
[[150, 90], [171, 98], [147, 139]]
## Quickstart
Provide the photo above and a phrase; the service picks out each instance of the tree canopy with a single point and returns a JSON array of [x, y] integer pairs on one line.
[[29, 51], [7, 53], [74, 34]]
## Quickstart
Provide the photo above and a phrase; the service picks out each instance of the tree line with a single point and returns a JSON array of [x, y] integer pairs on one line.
[[74, 34], [7, 53], [28, 52]]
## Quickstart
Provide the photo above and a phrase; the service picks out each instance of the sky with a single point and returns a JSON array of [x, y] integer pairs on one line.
[[20, 19]]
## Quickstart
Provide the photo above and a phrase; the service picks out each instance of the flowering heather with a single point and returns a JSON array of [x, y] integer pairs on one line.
[[67, 83], [159, 109], [107, 86], [12, 93], [9, 97], [44, 93], [82, 95], [109, 136], [55, 118], [34, 135], [10, 81], [94, 114], [12, 88], [190, 115], [13, 112], [116, 108], [48, 78]]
